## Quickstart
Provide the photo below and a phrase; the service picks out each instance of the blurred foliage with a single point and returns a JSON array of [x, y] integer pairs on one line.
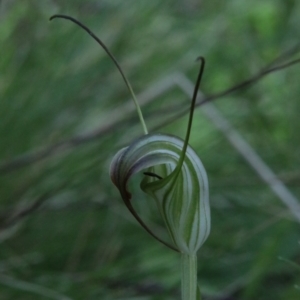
[[56, 83]]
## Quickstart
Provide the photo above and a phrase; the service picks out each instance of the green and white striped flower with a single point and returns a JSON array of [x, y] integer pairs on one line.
[[179, 188]]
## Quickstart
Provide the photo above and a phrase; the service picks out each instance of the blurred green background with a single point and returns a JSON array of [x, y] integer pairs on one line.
[[65, 111]]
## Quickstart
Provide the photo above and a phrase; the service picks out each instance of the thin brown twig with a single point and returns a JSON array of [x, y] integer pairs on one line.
[[282, 57], [11, 218], [57, 148], [248, 82], [65, 145], [15, 215]]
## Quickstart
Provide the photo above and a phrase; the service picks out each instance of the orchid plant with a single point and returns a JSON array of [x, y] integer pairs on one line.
[[173, 176]]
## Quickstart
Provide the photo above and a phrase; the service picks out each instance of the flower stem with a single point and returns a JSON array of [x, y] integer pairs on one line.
[[189, 277]]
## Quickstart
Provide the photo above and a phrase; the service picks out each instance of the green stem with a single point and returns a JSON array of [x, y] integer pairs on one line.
[[189, 277]]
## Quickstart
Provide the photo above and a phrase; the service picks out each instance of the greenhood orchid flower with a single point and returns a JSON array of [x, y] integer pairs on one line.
[[180, 190], [174, 177], [179, 186]]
